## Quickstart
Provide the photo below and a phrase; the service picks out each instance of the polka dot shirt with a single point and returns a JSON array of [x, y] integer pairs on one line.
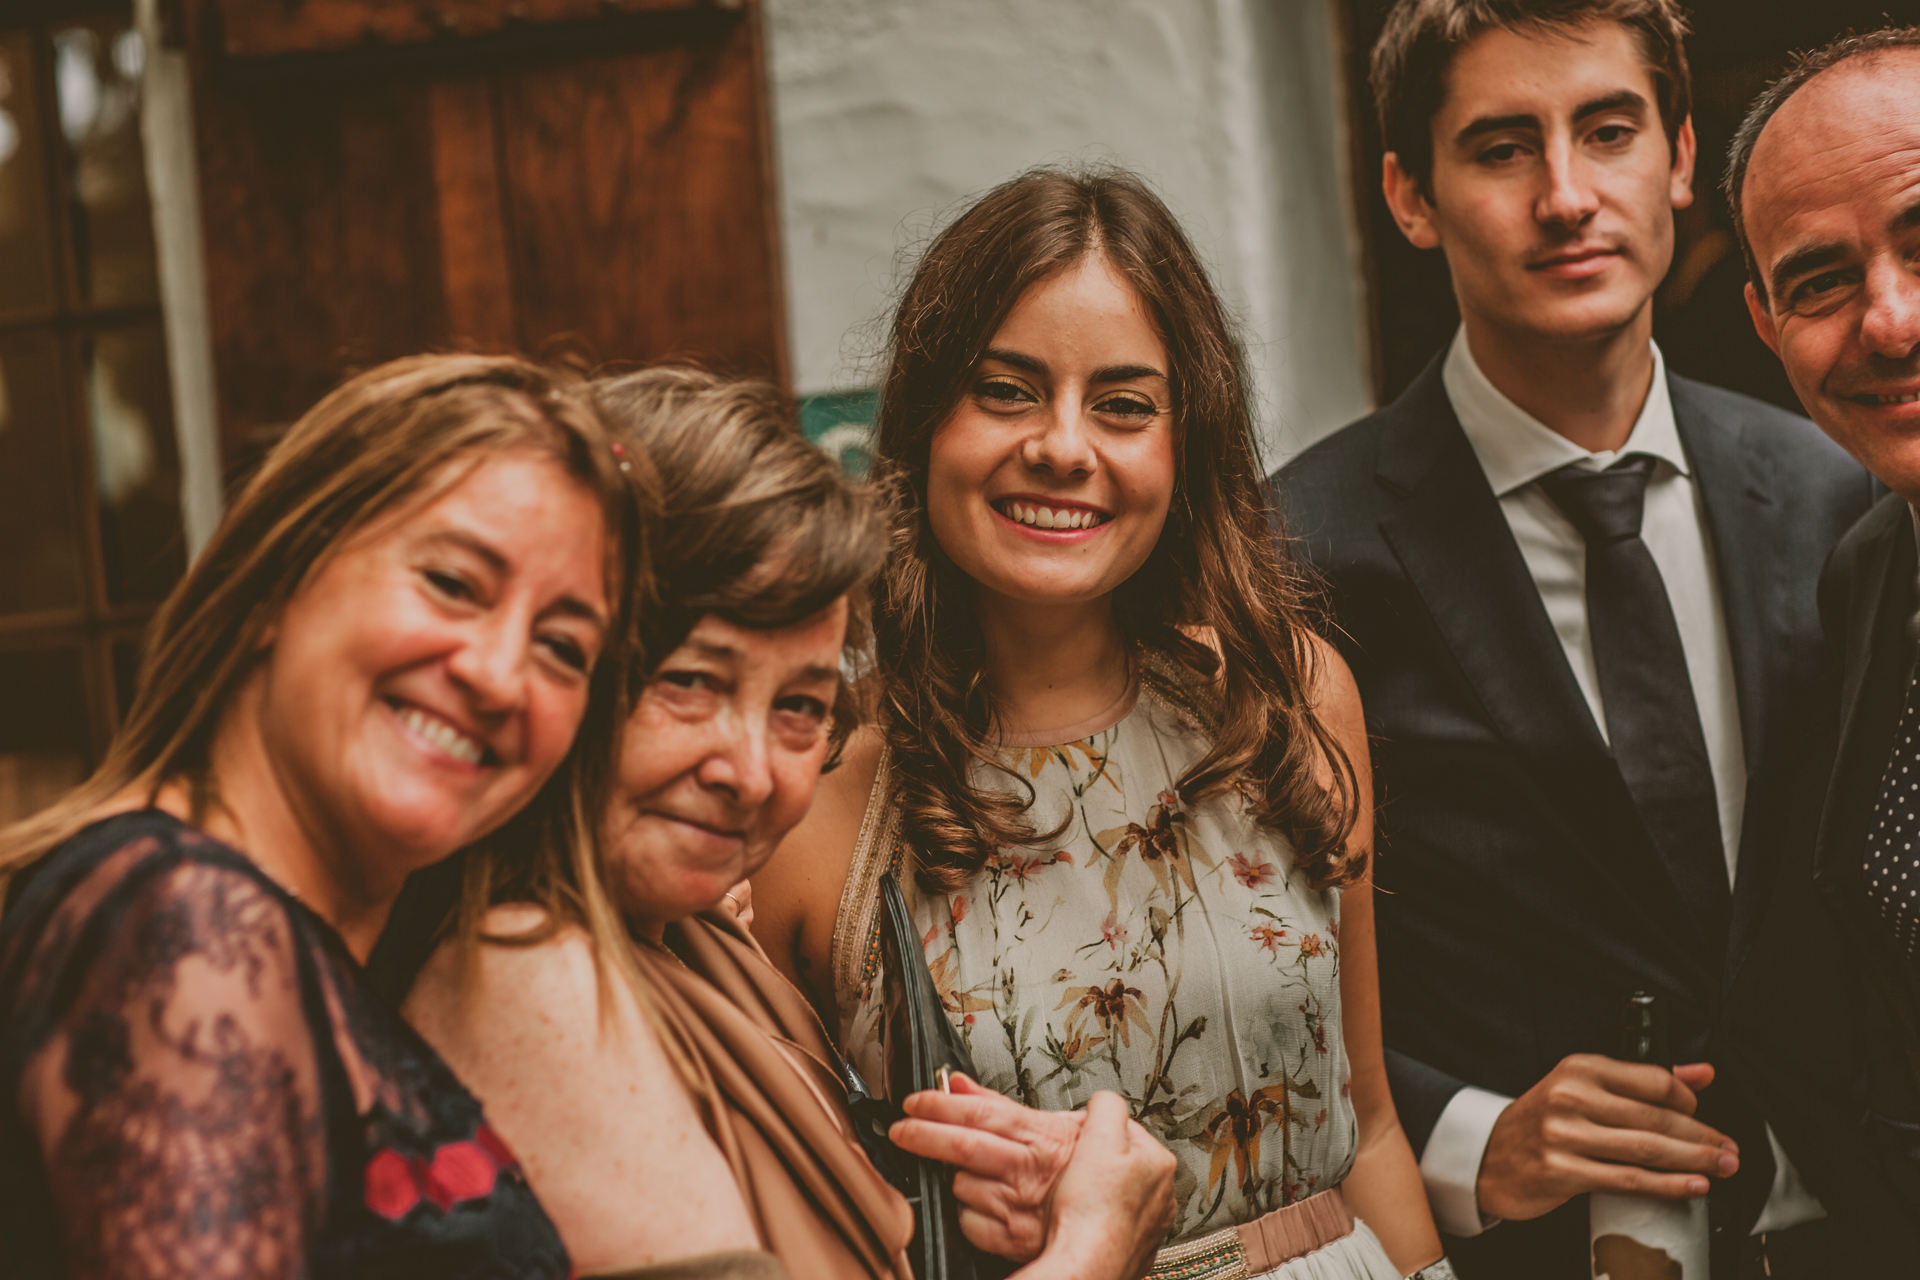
[[1892, 867]]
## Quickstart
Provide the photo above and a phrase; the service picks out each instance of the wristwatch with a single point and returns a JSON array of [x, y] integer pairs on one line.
[[1441, 1270]]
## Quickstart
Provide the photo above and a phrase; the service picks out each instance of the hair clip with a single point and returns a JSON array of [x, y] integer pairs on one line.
[[620, 452]]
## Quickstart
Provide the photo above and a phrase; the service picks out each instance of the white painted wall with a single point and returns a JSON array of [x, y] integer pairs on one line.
[[889, 113], [173, 184]]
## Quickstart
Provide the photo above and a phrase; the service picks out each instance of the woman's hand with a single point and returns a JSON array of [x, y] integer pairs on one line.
[[1007, 1159], [1112, 1205], [1083, 1194], [738, 902]]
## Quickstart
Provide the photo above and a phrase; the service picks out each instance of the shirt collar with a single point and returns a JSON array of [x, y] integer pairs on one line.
[[1515, 448]]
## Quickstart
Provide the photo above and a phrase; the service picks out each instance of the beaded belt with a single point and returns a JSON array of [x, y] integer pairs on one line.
[[1257, 1247]]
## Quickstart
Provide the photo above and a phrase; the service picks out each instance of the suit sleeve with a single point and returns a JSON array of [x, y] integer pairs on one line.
[[1448, 1123], [1420, 1094]]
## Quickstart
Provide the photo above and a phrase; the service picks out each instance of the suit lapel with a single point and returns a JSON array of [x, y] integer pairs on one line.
[[1736, 487], [1453, 541]]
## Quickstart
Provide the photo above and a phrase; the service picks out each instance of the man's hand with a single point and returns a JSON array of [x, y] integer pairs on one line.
[[1598, 1124], [1007, 1159]]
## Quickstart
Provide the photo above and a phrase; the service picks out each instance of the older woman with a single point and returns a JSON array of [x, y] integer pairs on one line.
[[675, 1100], [1126, 779], [386, 652]]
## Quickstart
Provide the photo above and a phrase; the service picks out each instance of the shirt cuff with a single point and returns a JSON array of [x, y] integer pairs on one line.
[[1450, 1166]]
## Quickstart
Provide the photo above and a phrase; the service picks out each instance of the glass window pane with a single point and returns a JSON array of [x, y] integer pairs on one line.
[[41, 565], [27, 284], [135, 465], [43, 729], [96, 71]]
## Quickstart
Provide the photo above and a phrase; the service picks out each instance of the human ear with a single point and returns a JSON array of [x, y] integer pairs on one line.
[[1409, 204], [1762, 320], [1685, 149]]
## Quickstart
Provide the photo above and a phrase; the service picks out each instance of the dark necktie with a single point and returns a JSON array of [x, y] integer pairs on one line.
[[1653, 723], [1891, 866]]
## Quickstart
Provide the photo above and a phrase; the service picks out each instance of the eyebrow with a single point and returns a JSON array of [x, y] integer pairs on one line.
[[1592, 107], [1032, 364], [468, 541], [1798, 263], [1125, 373], [474, 543], [1814, 256], [1018, 359], [814, 674]]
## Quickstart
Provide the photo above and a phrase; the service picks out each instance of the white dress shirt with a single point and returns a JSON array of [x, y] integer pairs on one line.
[[1516, 449]]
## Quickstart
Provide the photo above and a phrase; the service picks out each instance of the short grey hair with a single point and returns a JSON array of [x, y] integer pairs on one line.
[[1804, 68]]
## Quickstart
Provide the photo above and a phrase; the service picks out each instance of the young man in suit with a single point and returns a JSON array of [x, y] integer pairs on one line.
[[1824, 179], [1577, 593]]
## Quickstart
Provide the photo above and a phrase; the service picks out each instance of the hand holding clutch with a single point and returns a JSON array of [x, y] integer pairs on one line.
[[1007, 1159]]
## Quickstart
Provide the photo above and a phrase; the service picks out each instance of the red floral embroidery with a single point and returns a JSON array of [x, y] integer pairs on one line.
[[463, 1170], [460, 1171], [390, 1187]]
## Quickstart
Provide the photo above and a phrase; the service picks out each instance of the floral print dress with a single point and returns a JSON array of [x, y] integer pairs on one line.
[[1164, 951]]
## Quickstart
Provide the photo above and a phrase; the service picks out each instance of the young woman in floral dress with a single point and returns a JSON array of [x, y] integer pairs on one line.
[[1122, 780]]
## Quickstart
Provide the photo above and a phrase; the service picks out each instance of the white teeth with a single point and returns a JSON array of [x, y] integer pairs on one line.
[[1906, 399], [442, 735], [1048, 518]]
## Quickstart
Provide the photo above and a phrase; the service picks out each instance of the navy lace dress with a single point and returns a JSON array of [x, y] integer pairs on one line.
[[196, 1080]]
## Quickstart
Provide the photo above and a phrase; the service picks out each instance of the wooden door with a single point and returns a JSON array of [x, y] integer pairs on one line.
[[550, 176]]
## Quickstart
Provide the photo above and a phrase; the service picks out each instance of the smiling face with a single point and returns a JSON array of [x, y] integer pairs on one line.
[[1553, 184], [718, 762], [1832, 212], [420, 689], [1051, 480]]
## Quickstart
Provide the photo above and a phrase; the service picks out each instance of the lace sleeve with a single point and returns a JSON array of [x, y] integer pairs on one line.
[[175, 1094]]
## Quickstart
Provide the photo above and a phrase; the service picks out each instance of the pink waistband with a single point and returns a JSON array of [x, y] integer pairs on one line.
[[1263, 1245]]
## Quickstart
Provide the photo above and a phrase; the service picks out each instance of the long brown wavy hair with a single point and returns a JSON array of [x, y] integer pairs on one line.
[[1217, 567], [397, 434]]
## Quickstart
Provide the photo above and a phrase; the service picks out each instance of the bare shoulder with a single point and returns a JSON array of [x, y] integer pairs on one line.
[[1336, 695], [555, 975], [796, 895], [586, 1096], [504, 1015]]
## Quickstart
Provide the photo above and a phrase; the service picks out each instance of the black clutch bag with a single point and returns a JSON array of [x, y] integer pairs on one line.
[[919, 1050]]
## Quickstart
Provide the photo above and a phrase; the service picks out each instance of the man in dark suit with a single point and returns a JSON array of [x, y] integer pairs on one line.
[[1824, 178], [1577, 594]]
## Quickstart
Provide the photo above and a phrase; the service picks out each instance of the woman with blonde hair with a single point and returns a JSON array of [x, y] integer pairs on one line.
[[676, 1101], [1123, 780], [387, 651]]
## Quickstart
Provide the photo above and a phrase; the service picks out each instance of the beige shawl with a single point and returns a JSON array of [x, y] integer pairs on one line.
[[774, 1104]]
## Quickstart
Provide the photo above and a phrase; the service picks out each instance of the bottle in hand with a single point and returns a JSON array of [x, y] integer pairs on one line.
[[1638, 1237]]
